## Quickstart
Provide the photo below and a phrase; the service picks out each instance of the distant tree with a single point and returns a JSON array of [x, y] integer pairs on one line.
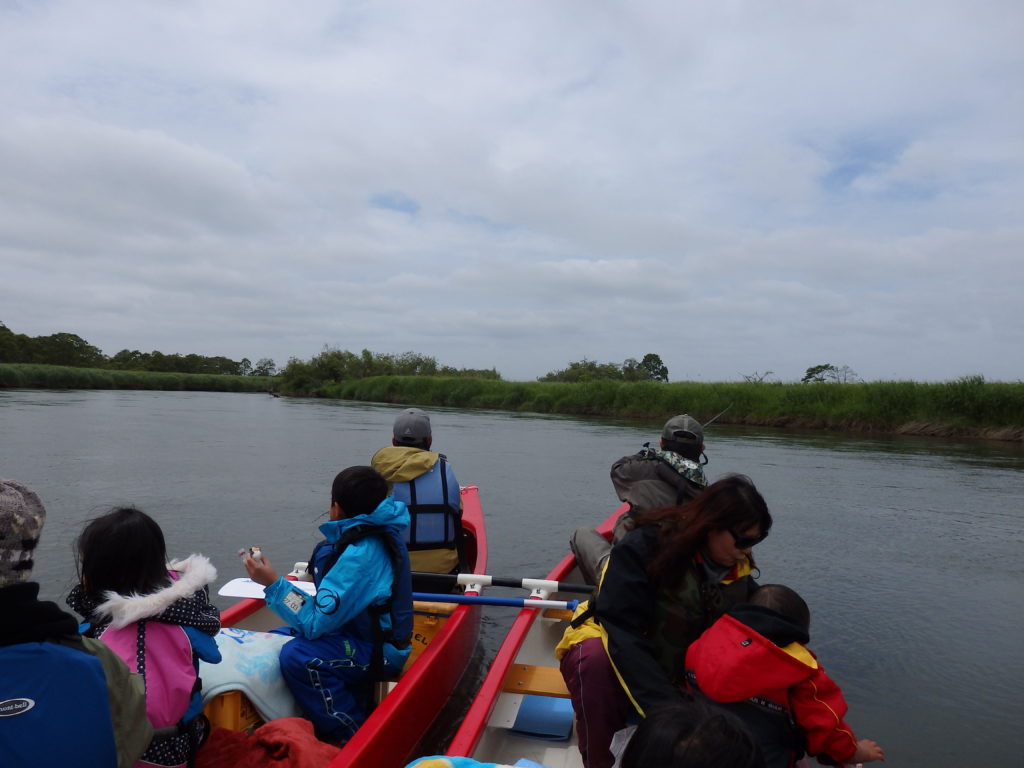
[[12, 345], [65, 349], [584, 370], [129, 360], [756, 377], [655, 368], [651, 368], [300, 376], [373, 365], [158, 361], [193, 363], [245, 367], [222, 365], [631, 370], [819, 373], [843, 374], [333, 364], [414, 364], [474, 373], [264, 367]]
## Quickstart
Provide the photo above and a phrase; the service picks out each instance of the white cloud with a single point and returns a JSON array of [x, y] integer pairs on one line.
[[520, 185]]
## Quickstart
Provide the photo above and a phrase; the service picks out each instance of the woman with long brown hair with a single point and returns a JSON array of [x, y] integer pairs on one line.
[[665, 583]]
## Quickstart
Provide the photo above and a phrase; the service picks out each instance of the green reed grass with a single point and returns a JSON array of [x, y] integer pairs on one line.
[[965, 407], [25, 376], [968, 406]]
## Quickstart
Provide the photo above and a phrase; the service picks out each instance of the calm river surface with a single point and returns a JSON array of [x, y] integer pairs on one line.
[[907, 550]]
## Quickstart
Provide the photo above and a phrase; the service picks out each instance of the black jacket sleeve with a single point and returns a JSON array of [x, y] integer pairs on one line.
[[625, 609]]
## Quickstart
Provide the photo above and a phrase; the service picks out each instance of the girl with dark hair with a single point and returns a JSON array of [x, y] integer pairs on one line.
[[666, 582], [156, 616]]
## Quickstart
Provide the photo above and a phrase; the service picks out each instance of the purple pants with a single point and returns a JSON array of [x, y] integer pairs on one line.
[[597, 697]]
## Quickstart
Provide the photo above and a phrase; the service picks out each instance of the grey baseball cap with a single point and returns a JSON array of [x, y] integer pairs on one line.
[[412, 426], [683, 429]]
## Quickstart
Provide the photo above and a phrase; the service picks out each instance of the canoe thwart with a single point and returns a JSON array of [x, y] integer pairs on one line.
[[535, 680]]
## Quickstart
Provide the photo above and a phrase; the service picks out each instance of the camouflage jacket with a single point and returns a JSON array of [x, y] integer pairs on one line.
[[655, 478]]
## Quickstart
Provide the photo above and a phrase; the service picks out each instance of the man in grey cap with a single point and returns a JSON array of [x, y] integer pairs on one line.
[[655, 477], [64, 699], [425, 481]]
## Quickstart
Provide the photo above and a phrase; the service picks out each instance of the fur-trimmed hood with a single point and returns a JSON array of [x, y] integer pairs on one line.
[[194, 573]]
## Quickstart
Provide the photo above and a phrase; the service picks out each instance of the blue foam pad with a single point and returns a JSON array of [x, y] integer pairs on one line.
[[545, 717]]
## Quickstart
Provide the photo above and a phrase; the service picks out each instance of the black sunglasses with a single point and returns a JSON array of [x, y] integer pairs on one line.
[[746, 542]]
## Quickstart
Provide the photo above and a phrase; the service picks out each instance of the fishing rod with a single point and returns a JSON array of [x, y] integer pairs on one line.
[[715, 417]]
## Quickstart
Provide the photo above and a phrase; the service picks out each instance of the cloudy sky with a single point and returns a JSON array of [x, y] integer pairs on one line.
[[736, 186]]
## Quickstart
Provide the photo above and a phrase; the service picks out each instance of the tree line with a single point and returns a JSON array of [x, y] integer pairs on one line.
[[650, 368], [71, 350], [333, 366]]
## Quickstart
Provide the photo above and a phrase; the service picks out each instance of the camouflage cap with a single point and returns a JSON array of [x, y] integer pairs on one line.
[[21, 523]]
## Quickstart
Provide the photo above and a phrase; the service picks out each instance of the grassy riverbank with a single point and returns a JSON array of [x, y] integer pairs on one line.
[[64, 377], [968, 407]]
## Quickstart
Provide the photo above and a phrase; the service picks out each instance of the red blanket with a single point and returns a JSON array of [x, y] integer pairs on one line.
[[287, 742]]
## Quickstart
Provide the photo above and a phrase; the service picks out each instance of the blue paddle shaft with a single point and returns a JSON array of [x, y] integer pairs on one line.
[[513, 602]]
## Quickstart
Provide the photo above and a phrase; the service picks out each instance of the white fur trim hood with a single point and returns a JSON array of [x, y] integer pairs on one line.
[[196, 571]]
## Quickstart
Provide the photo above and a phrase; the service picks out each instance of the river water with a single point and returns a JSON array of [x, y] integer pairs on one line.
[[908, 550]]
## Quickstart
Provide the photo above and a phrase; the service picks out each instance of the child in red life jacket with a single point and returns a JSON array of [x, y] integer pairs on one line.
[[755, 661], [156, 616]]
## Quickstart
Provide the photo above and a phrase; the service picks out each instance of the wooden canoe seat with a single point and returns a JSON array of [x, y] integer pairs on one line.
[[535, 680], [426, 608], [562, 614]]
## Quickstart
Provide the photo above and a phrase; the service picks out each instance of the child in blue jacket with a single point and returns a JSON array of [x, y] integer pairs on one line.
[[357, 628]]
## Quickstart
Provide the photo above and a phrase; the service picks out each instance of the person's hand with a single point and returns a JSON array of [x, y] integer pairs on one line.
[[867, 751], [260, 571]]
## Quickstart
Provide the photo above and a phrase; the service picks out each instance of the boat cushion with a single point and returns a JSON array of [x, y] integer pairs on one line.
[[545, 717]]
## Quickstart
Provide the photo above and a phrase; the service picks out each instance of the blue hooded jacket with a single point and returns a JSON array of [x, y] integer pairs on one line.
[[362, 576]]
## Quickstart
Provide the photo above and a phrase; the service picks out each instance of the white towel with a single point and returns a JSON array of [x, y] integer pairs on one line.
[[250, 665]]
